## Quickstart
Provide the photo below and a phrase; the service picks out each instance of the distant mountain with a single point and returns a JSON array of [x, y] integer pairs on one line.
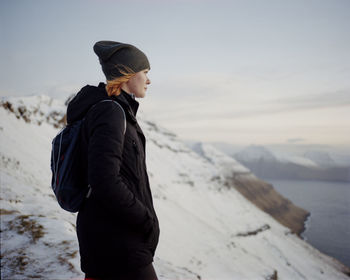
[[255, 153], [311, 165], [209, 230], [320, 158]]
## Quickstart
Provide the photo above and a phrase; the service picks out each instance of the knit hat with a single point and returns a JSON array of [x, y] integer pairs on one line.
[[116, 57]]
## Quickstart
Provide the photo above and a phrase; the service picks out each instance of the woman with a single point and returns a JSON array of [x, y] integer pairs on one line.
[[117, 226]]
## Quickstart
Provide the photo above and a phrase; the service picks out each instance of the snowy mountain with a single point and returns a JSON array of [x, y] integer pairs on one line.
[[254, 153], [320, 158], [312, 165], [208, 229]]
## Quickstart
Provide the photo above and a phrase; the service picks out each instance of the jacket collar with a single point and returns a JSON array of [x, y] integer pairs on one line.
[[130, 106], [130, 100]]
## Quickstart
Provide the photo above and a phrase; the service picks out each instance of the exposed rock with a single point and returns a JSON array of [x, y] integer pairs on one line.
[[264, 196], [254, 232]]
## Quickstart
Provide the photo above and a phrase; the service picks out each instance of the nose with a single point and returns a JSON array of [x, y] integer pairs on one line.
[[148, 81]]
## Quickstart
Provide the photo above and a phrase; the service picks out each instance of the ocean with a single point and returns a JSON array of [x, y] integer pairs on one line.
[[328, 226]]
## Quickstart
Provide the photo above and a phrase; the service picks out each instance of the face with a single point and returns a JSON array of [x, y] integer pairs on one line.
[[138, 83]]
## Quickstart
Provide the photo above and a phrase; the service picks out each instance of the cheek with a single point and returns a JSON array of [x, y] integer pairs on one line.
[[141, 82]]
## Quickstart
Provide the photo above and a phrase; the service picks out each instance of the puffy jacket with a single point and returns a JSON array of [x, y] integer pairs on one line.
[[117, 226]]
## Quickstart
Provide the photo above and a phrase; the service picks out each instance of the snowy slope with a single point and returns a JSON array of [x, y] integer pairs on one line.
[[36, 109], [207, 231]]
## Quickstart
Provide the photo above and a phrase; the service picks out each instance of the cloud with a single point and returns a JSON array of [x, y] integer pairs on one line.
[[338, 98], [215, 96], [295, 140], [221, 106], [247, 109]]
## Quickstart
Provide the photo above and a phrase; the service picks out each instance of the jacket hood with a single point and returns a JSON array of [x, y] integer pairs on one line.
[[90, 95]]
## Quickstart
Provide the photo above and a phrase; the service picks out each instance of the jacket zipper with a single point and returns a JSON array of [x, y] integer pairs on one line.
[[135, 147]]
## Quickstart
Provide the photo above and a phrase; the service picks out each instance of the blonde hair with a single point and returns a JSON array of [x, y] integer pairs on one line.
[[114, 86]]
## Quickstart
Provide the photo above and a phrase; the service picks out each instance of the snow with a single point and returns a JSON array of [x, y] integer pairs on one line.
[[311, 158], [255, 153], [320, 157], [205, 226], [25, 191], [284, 157]]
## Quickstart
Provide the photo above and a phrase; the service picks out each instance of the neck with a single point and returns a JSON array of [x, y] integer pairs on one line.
[[131, 94], [125, 89]]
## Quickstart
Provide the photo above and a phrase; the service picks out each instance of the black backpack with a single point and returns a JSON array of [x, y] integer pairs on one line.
[[69, 179]]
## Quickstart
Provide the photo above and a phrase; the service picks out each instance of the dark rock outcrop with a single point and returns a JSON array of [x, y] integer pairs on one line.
[[265, 197]]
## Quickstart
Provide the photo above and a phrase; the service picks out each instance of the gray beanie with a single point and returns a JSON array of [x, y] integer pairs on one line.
[[115, 57]]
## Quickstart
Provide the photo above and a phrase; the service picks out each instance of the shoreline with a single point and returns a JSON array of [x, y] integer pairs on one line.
[[308, 217], [309, 227]]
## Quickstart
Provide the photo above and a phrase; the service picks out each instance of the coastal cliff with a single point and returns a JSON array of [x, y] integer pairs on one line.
[[257, 191], [264, 196]]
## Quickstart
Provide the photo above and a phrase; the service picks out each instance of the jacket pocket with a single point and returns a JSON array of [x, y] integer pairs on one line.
[[152, 237], [129, 175]]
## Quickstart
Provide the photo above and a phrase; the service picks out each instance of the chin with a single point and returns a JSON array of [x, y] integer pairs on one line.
[[142, 95]]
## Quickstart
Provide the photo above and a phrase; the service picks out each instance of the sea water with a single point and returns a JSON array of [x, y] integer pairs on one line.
[[328, 226]]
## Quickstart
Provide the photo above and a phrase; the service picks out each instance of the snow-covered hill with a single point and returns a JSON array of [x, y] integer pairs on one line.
[[208, 230]]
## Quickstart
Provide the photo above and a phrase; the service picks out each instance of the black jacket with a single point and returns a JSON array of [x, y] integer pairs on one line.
[[117, 226]]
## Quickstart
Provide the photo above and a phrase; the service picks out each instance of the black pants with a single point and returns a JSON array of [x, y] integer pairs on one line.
[[144, 273]]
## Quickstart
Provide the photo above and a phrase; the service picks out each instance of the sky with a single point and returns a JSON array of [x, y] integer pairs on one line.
[[242, 72]]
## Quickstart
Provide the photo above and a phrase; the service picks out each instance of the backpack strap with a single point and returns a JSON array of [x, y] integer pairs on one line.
[[106, 100], [109, 100]]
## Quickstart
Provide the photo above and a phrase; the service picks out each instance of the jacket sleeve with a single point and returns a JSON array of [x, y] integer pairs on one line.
[[105, 146]]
